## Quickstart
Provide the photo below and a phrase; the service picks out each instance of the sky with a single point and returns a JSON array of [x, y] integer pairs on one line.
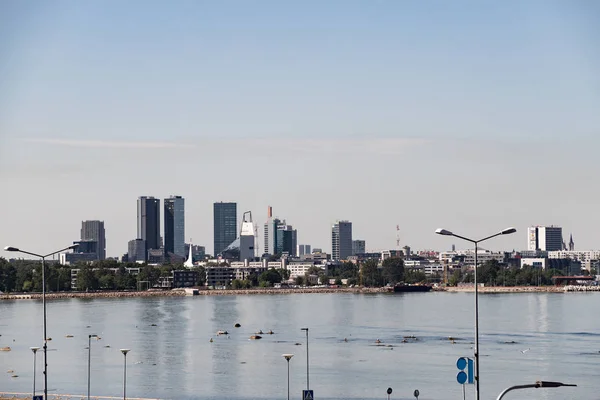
[[468, 115]]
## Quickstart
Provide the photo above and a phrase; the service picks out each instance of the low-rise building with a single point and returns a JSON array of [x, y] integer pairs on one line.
[[184, 278]]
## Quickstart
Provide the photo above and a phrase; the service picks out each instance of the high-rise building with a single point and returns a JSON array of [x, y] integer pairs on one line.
[[93, 231], [136, 250], [270, 233], [303, 249], [148, 221], [225, 225], [247, 240], [286, 239], [544, 238], [358, 247], [174, 209], [341, 240]]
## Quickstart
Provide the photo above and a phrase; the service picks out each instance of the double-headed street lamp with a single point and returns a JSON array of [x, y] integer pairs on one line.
[[445, 232], [288, 357], [43, 257]]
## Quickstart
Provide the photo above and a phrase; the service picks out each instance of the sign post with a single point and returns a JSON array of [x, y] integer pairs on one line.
[[308, 395], [416, 394], [465, 365]]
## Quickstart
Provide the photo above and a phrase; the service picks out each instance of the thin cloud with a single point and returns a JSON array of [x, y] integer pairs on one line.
[[109, 144], [383, 146]]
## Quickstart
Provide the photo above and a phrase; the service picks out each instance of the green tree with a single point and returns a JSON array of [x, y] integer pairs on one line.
[[8, 276], [348, 270], [414, 276], [455, 278], [393, 270], [284, 273], [237, 284], [370, 275], [269, 278], [299, 280], [149, 273], [107, 282], [87, 279]]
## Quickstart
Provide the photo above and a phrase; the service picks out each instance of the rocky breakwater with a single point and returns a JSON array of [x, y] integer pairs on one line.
[[507, 289], [581, 288], [225, 292], [90, 295]]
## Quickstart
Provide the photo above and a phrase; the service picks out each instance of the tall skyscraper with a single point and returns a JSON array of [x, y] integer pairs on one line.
[[341, 240], [93, 231], [358, 247], [270, 233], [224, 226], [247, 239], [544, 238], [174, 209], [148, 221], [286, 238]]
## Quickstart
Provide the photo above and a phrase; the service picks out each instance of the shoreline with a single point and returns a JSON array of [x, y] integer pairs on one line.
[[521, 289], [272, 291], [182, 292]]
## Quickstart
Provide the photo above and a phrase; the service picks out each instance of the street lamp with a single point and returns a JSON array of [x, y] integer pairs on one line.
[[90, 361], [43, 257], [34, 350], [288, 357], [538, 384], [445, 232], [124, 351], [307, 373]]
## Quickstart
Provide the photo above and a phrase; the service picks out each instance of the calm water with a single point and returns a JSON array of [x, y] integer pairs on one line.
[[175, 359]]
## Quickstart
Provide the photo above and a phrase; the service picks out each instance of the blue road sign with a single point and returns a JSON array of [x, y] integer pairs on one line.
[[307, 395], [465, 365], [38, 397]]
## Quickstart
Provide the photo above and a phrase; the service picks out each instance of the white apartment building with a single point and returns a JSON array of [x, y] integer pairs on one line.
[[432, 269], [583, 256]]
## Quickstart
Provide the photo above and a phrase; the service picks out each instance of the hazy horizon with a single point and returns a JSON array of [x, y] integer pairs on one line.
[[464, 115]]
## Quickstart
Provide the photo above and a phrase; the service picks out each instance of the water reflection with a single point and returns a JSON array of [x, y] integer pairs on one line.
[[171, 356]]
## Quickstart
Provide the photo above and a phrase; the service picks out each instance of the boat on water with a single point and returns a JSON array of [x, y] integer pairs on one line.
[[404, 288]]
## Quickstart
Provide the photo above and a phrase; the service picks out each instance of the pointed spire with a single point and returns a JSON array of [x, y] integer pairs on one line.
[[190, 261]]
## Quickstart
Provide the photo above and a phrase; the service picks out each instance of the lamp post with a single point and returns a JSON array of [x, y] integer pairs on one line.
[[43, 257], [445, 232], [34, 350], [89, 361], [124, 351], [538, 384], [307, 373], [288, 357]]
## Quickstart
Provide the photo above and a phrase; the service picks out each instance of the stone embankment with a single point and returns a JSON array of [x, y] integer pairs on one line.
[[511, 289], [181, 292], [581, 288]]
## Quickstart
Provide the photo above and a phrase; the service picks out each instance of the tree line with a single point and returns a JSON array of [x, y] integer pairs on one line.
[[493, 273], [26, 276]]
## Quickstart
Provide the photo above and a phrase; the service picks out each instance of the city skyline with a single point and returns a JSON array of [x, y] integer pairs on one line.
[[383, 113]]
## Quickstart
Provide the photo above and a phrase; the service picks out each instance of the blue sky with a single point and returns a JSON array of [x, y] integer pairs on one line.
[[474, 115]]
